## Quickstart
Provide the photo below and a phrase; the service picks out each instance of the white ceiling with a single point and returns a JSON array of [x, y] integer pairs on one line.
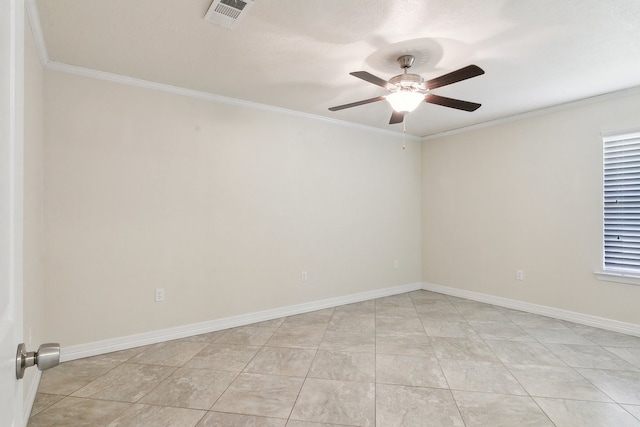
[[297, 54]]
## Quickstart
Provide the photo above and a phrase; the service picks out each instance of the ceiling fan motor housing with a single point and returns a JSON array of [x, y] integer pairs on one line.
[[408, 81]]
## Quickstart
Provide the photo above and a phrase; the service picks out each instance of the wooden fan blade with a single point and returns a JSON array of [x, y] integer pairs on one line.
[[451, 103], [355, 104], [368, 77], [396, 117], [455, 76]]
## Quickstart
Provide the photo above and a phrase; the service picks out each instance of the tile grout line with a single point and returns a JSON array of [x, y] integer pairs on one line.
[[307, 374]]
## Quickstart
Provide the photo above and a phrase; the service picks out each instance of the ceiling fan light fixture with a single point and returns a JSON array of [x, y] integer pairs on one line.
[[405, 101]]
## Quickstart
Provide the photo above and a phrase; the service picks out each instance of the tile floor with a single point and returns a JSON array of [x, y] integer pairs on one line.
[[416, 359]]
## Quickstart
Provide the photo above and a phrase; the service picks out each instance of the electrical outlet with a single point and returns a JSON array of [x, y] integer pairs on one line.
[[396, 264], [304, 276], [519, 275], [159, 294]]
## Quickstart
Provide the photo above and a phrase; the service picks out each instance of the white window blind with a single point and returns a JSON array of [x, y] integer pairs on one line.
[[622, 202]]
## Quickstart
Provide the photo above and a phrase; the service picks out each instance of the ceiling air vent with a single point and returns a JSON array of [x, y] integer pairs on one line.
[[227, 12]]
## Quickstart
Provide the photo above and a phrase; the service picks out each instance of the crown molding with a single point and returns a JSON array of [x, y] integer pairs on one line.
[[211, 97], [48, 64], [539, 112], [34, 19]]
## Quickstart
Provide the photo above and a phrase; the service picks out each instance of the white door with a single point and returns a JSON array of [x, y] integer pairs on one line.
[[11, 135]]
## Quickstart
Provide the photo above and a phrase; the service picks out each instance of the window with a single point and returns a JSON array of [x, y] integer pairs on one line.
[[622, 204]]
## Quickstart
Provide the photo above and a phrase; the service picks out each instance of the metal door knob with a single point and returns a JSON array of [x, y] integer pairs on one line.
[[47, 356]]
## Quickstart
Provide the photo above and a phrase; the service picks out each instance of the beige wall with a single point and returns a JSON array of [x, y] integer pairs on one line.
[[221, 206], [224, 206], [526, 195], [33, 250]]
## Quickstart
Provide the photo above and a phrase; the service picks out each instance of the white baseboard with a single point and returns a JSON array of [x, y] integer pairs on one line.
[[557, 313], [152, 337], [137, 340], [30, 397]]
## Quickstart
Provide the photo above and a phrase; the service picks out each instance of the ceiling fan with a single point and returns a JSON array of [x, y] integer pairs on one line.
[[406, 90]]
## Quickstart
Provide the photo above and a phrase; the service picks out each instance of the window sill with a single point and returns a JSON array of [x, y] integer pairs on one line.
[[619, 277]]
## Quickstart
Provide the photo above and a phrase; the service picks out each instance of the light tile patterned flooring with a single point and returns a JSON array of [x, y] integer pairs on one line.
[[415, 359]]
